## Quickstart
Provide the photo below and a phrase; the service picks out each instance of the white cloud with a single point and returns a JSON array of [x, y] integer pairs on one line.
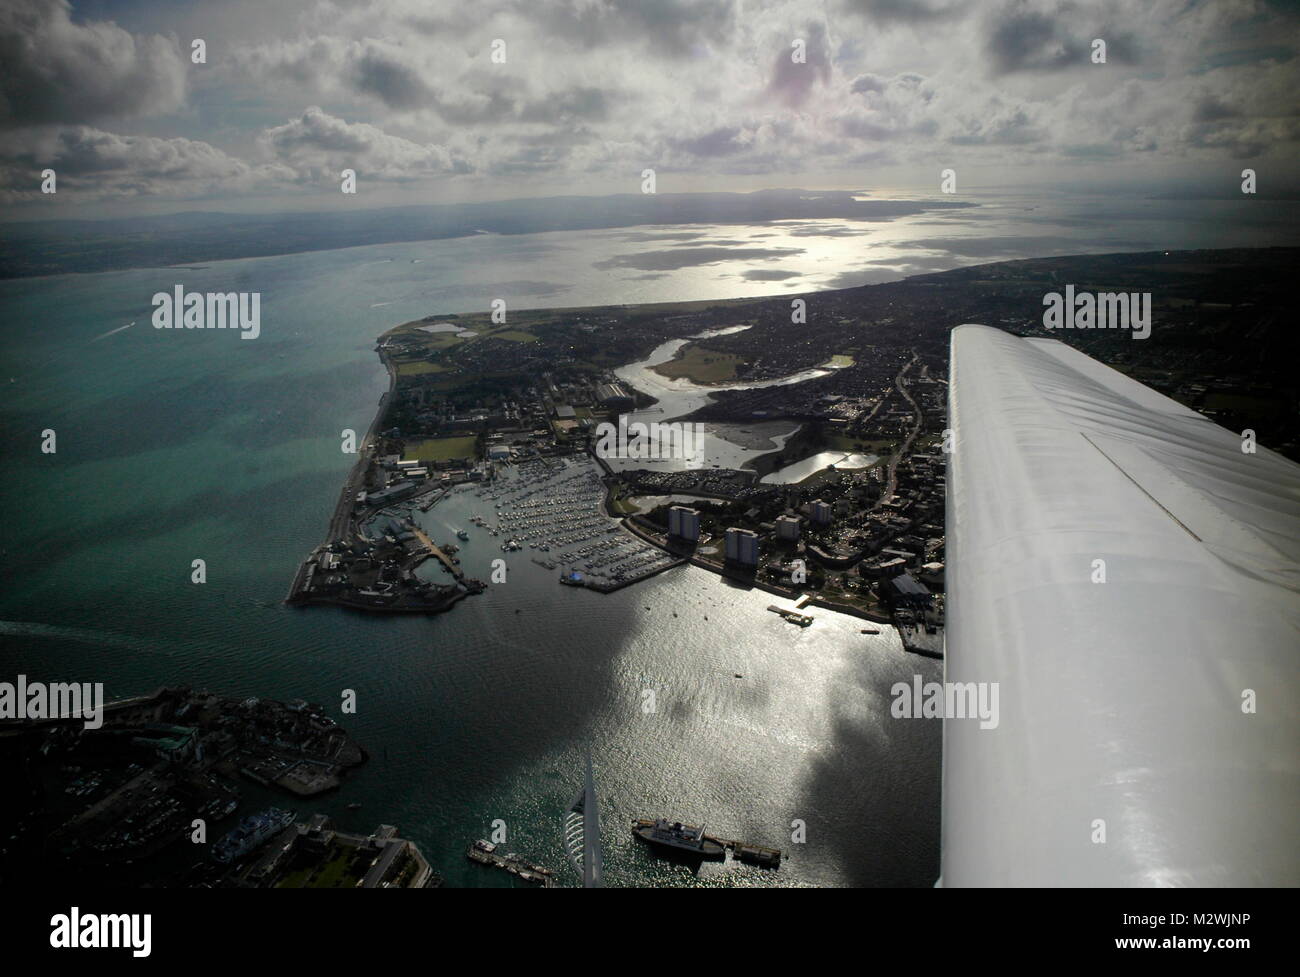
[[53, 70], [318, 146], [92, 164], [593, 91]]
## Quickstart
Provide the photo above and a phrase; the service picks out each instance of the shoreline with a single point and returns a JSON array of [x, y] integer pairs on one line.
[[341, 527], [722, 570], [807, 443]]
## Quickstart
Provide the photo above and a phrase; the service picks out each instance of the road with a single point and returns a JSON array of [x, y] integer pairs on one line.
[[341, 520], [891, 483]]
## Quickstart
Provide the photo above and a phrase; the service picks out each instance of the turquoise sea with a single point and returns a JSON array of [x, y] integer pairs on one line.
[[177, 445]]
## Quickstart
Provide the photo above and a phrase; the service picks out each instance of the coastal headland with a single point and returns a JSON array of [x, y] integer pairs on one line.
[[846, 390]]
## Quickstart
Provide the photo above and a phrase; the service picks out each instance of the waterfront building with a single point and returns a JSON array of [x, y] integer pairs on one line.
[[742, 547], [393, 493], [904, 591], [684, 523], [787, 528]]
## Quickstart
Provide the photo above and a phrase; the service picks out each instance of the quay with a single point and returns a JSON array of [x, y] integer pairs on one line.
[[751, 854], [484, 853], [794, 617], [609, 588], [450, 565]]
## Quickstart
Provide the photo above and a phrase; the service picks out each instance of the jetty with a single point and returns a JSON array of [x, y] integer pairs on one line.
[[751, 854], [485, 853]]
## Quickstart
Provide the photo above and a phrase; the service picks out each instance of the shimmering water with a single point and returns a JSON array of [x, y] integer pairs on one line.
[[797, 472], [174, 446]]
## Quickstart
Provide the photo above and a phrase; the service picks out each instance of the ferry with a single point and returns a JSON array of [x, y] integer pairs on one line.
[[686, 838], [251, 832]]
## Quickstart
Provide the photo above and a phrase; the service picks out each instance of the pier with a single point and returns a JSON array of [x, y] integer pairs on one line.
[[435, 551], [750, 854], [484, 853]]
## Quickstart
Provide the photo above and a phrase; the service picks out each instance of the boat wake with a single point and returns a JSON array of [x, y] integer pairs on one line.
[[104, 335]]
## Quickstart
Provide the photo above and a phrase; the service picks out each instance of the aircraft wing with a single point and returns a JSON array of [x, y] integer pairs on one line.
[[1155, 710]]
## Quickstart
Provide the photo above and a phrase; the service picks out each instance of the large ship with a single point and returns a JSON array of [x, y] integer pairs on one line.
[[686, 838], [252, 831]]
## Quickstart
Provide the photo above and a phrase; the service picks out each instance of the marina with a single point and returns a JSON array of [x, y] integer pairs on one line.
[[554, 507]]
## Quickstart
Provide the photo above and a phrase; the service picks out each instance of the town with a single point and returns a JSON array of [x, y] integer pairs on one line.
[[163, 778], [846, 512]]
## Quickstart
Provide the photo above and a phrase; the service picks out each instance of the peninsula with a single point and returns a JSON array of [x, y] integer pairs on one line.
[[843, 508]]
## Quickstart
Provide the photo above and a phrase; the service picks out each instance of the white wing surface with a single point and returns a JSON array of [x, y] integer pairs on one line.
[[1155, 710]]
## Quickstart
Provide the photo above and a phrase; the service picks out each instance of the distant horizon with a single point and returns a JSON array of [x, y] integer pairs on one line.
[[145, 109], [1223, 187]]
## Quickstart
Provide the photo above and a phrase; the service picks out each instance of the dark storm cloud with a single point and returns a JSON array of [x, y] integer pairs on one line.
[[644, 236], [993, 248], [585, 103], [692, 257], [114, 165], [868, 83], [1092, 150], [1013, 130], [1026, 40], [904, 11], [397, 85], [674, 28], [891, 269], [817, 230], [55, 71], [1030, 40], [718, 242], [792, 81], [724, 141], [318, 142], [758, 275], [1210, 108], [1245, 56], [1237, 141]]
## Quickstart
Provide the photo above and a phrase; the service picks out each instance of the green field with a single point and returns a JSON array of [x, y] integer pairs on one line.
[[334, 874], [700, 365], [440, 449], [515, 335], [866, 446], [411, 368]]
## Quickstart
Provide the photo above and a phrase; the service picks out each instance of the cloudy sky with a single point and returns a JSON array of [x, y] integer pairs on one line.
[[591, 92]]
